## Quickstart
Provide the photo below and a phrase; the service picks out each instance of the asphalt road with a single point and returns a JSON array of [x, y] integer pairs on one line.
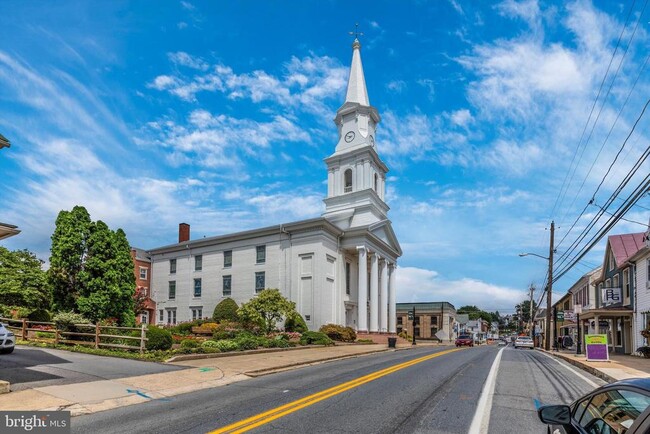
[[431, 394], [29, 367]]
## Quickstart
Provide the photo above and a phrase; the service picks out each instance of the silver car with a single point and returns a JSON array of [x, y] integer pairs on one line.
[[7, 340], [524, 342]]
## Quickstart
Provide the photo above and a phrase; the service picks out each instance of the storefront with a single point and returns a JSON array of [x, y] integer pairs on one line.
[[616, 323]]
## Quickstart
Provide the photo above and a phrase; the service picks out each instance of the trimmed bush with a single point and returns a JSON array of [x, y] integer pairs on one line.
[[295, 323], [210, 344], [226, 310], [158, 339], [339, 333], [40, 315], [247, 342], [315, 338], [190, 343], [227, 345]]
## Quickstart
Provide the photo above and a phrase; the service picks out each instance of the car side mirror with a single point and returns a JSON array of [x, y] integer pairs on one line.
[[555, 414]]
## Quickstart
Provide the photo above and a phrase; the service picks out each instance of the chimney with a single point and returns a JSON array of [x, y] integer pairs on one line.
[[183, 232]]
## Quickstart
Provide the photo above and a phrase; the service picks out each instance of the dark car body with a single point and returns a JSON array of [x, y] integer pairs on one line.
[[622, 407], [464, 340]]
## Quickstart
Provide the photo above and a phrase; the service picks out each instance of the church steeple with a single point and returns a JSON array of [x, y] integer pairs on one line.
[[356, 181], [356, 119], [357, 91]]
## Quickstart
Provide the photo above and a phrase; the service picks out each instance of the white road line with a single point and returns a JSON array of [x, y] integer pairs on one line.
[[481, 419], [573, 371]]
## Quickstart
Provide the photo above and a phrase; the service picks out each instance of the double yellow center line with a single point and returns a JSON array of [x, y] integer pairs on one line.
[[283, 410]]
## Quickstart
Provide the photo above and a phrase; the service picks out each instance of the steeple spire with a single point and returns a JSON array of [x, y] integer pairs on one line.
[[357, 91]]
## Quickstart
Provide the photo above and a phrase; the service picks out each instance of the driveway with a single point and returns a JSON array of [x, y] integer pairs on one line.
[[29, 367]]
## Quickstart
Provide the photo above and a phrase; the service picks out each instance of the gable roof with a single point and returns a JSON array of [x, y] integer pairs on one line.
[[625, 246]]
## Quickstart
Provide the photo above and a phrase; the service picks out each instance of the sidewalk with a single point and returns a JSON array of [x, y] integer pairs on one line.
[[620, 367], [91, 397]]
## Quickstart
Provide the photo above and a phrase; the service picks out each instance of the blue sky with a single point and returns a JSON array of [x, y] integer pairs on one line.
[[219, 114]]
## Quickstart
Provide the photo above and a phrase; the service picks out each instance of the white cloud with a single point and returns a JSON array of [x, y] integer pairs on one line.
[[429, 86], [220, 141], [284, 205], [184, 59], [396, 86], [423, 285], [305, 85], [462, 118]]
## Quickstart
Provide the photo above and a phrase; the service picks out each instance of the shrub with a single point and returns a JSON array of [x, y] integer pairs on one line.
[[183, 328], [227, 345], [295, 323], [158, 339], [226, 310], [226, 330], [65, 321], [247, 342], [403, 335], [190, 343], [210, 344], [39, 315], [315, 338], [339, 333]]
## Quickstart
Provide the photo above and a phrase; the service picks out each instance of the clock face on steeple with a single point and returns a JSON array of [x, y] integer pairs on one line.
[[349, 136]]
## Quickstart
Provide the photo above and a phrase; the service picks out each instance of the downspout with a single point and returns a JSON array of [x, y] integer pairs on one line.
[[287, 264]]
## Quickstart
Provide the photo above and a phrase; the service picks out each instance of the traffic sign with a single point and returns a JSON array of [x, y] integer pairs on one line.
[[560, 315]]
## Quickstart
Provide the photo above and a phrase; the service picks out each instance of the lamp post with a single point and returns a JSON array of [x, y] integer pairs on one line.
[[549, 288]]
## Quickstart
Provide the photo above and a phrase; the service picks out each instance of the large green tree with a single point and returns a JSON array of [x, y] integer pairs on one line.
[[108, 282], [68, 254], [266, 310], [91, 269], [23, 282], [475, 313]]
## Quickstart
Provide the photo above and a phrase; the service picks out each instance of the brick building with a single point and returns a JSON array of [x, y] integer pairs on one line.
[[142, 271]]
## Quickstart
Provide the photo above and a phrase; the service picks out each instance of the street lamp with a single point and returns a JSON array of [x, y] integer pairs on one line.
[[549, 293]]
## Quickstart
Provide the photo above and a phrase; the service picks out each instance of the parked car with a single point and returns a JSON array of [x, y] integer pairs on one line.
[[622, 407], [524, 342], [502, 342], [463, 340], [7, 340]]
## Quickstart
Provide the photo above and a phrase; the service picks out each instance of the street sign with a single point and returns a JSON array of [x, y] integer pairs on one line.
[[410, 315], [560, 315], [441, 335]]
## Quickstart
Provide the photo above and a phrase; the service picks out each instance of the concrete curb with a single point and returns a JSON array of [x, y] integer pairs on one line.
[[184, 357], [267, 371], [577, 363], [5, 387]]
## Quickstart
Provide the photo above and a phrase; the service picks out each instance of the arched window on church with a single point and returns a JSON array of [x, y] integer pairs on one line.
[[347, 181], [376, 183]]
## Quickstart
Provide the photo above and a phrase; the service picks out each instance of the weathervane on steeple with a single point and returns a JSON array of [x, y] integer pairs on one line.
[[356, 32]]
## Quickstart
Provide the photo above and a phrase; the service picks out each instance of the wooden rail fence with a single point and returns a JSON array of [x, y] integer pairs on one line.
[[92, 334]]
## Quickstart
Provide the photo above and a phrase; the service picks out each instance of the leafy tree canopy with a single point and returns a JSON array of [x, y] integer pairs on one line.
[[23, 283], [266, 309], [91, 269]]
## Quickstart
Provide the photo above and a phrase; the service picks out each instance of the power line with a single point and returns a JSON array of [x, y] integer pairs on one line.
[[602, 83]]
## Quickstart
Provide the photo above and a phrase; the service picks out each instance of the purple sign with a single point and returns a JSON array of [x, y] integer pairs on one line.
[[597, 352], [596, 347]]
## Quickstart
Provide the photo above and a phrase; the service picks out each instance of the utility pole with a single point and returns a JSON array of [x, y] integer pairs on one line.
[[549, 293], [530, 320]]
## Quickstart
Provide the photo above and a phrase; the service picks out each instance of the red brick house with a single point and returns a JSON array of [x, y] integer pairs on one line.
[[142, 270]]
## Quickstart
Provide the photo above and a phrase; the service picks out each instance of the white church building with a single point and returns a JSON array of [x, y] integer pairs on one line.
[[338, 268]]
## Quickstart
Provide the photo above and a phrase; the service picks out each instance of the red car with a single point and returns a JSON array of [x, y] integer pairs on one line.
[[464, 340]]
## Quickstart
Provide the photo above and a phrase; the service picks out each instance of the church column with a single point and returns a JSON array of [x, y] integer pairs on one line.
[[392, 305], [362, 309], [374, 292], [330, 183], [383, 297], [366, 174]]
